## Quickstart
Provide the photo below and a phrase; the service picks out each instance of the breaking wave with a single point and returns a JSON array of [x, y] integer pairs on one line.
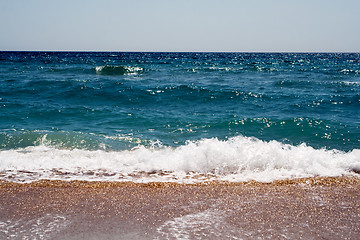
[[236, 159]]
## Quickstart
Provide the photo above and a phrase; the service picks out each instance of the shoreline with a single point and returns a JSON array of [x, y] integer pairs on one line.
[[298, 208], [346, 179]]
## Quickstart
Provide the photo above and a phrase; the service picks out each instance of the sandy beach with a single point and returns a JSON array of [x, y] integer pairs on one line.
[[313, 208]]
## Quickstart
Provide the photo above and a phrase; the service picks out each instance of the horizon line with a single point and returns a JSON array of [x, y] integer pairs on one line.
[[138, 51]]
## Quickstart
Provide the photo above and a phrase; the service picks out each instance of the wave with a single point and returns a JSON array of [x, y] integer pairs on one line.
[[127, 130], [67, 140], [117, 70], [236, 159]]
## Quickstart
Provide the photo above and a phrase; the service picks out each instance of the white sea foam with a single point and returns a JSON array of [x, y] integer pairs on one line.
[[195, 226], [44, 227], [351, 83], [236, 159]]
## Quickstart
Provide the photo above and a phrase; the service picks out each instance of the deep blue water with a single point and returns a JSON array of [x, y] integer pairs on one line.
[[118, 100]]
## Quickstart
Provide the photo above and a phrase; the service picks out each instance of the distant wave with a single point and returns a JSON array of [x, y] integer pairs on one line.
[[117, 70], [236, 159]]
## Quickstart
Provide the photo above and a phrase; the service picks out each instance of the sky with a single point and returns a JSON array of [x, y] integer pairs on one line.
[[180, 25]]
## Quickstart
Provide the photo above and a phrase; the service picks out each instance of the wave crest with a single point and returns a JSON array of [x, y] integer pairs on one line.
[[117, 70], [236, 159]]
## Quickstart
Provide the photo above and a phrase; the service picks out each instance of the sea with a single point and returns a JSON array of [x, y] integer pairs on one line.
[[178, 117]]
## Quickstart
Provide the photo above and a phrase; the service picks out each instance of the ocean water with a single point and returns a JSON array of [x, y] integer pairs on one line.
[[179, 117]]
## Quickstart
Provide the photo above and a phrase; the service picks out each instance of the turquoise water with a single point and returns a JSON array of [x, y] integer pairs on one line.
[[118, 101]]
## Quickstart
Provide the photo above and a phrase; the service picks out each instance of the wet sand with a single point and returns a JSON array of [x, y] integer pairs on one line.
[[314, 208]]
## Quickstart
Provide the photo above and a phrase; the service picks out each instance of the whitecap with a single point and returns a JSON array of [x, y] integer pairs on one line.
[[236, 159]]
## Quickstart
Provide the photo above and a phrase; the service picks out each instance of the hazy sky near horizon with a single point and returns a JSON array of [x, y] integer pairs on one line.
[[181, 25]]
